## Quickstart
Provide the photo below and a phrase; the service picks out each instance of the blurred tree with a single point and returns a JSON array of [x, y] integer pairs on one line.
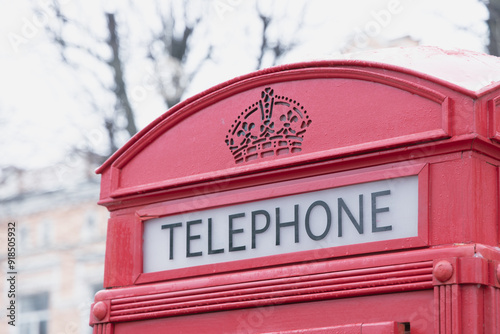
[[101, 54], [81, 46]]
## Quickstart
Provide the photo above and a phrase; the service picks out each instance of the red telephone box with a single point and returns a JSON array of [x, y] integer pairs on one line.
[[343, 196]]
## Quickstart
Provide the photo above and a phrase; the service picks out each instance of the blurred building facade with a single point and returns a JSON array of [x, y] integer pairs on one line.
[[60, 240]]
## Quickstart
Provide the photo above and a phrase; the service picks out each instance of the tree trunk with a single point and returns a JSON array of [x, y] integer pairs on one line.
[[120, 88], [494, 27]]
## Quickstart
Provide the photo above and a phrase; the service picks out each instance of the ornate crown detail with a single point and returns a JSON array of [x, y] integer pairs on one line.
[[274, 125]]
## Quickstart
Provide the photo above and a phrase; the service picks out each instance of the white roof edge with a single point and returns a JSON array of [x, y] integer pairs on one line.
[[471, 70]]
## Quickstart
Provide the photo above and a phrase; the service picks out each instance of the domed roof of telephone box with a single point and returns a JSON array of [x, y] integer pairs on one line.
[[367, 102]]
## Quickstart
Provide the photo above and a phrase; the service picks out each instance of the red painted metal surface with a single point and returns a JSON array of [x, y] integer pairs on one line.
[[353, 122]]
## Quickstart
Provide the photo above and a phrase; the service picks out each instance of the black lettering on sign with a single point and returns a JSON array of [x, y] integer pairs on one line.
[[210, 240], [171, 227], [376, 210], [256, 231], [190, 237], [233, 231], [328, 220], [294, 223], [343, 206], [252, 225]]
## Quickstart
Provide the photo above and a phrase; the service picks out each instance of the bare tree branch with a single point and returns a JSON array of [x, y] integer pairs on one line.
[[264, 45], [278, 48], [120, 88], [169, 59]]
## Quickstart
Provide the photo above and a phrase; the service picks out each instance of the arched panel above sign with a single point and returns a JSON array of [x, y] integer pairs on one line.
[[300, 113], [280, 118]]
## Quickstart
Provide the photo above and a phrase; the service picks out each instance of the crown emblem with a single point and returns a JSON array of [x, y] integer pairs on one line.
[[274, 125]]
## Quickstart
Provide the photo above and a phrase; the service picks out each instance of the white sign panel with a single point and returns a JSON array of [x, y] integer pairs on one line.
[[354, 214]]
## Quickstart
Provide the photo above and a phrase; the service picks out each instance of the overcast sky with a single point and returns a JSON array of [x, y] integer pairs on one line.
[[41, 114]]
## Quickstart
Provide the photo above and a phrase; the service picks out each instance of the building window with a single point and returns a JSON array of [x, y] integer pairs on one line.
[[44, 233], [90, 228], [93, 288], [24, 241], [34, 313]]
